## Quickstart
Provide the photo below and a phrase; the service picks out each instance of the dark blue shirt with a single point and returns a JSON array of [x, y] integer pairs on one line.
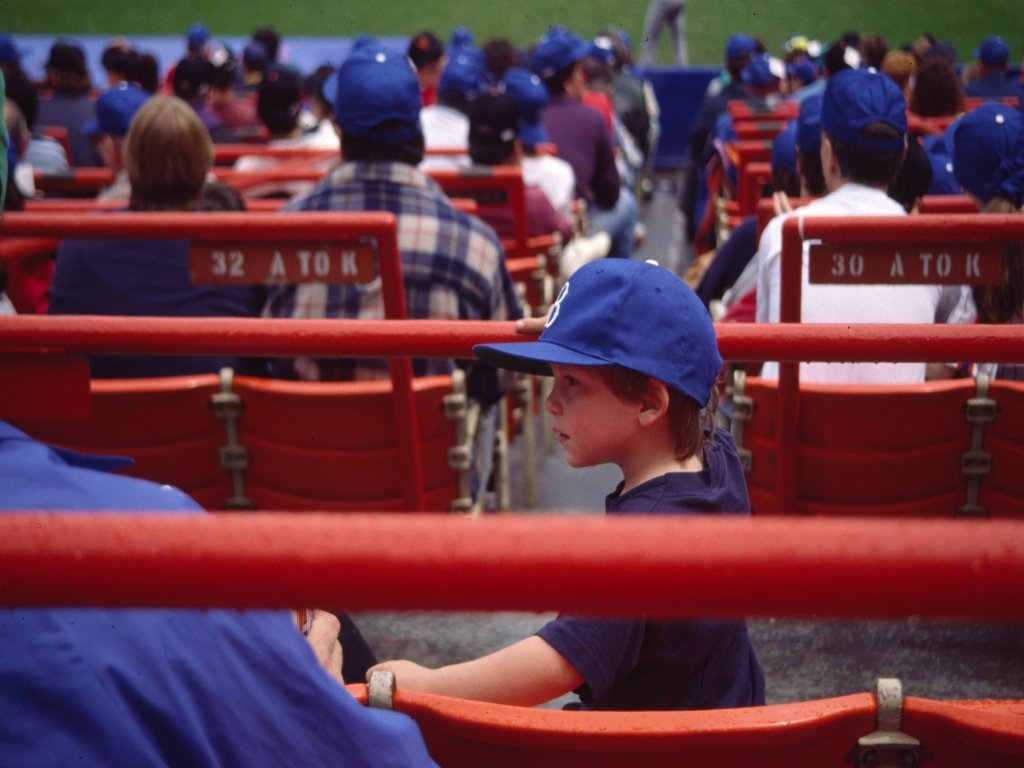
[[145, 278], [635, 664]]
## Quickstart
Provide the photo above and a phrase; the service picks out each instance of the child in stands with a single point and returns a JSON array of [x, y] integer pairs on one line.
[[635, 362]]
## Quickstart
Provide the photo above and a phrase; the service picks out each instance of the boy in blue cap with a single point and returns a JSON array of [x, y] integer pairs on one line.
[[635, 363], [115, 109]]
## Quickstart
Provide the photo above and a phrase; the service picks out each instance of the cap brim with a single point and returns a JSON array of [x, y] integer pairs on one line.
[[534, 357]]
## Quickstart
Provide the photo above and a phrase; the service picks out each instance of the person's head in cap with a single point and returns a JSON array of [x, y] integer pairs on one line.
[[493, 130], [9, 52], [763, 75], [635, 360], [739, 48], [376, 100], [864, 119], [192, 77], [65, 69], [800, 72], [557, 59], [270, 39], [988, 154], [988, 161], [530, 96], [427, 53], [461, 79], [838, 56], [196, 39], [223, 70], [461, 39], [992, 55], [785, 177], [279, 101], [254, 62], [808, 147], [115, 109]]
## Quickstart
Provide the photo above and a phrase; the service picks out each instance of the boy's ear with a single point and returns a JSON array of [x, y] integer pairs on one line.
[[654, 403]]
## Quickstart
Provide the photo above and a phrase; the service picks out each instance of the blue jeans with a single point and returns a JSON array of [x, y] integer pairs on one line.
[[619, 222]]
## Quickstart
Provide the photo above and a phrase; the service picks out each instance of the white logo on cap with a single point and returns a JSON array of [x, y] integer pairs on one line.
[[557, 306]]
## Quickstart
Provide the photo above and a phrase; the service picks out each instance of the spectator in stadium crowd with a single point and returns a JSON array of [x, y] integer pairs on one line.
[[991, 78], [236, 114], [873, 49], [270, 39], [548, 171], [499, 57], [197, 46], [635, 364], [582, 139], [936, 90], [721, 90], [494, 140], [167, 153], [900, 66], [670, 15], [426, 51], [115, 109], [192, 77], [70, 104], [148, 71], [864, 130], [988, 160], [446, 121], [453, 263], [254, 61], [118, 61]]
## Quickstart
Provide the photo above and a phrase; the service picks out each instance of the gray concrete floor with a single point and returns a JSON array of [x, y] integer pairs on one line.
[[802, 659]]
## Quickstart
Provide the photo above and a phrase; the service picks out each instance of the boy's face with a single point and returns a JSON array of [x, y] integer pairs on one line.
[[592, 424]]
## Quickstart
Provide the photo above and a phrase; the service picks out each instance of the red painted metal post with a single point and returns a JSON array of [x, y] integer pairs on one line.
[[787, 418]]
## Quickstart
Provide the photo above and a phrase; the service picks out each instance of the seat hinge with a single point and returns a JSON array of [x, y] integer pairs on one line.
[[980, 411], [889, 745], [228, 407], [742, 412]]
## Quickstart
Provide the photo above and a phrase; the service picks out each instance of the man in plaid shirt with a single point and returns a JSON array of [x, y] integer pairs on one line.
[[453, 263]]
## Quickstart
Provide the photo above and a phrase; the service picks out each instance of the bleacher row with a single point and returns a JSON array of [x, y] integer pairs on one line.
[[238, 436]]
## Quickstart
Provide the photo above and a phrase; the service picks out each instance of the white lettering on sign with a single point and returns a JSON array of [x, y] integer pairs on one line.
[[926, 262], [348, 263], [304, 257], [944, 264], [321, 263], [972, 267], [843, 265], [896, 270], [228, 263], [277, 268]]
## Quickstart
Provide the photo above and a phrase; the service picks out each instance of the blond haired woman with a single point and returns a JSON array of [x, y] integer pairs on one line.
[[167, 153]]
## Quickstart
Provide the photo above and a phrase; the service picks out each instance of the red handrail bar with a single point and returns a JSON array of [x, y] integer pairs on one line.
[[931, 230], [661, 566], [455, 338]]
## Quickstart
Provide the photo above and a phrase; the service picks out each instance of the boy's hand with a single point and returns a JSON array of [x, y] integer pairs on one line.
[[323, 639], [531, 326]]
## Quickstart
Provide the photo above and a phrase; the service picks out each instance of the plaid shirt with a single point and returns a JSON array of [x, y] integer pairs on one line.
[[453, 263]]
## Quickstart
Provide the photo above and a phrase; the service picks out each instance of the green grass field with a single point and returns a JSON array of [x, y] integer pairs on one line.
[[962, 22]]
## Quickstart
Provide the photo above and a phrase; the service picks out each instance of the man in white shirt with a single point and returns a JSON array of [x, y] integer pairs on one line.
[[864, 127]]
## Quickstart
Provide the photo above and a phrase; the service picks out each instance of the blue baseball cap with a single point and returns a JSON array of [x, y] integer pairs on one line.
[[808, 124], [557, 49], [197, 36], [530, 96], [9, 53], [855, 98], [463, 73], [784, 149], [623, 312], [461, 38], [739, 46], [374, 86], [802, 69], [115, 109], [993, 51], [988, 152], [763, 72]]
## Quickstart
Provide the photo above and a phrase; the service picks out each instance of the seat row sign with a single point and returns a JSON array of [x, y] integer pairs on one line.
[[351, 261], [885, 263]]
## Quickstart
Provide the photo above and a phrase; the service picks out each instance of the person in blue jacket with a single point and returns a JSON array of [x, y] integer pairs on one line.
[[635, 364]]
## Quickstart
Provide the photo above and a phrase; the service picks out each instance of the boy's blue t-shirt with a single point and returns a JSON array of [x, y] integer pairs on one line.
[[635, 664]]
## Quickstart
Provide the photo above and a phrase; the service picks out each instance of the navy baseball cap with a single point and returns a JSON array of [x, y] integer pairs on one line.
[[375, 86], [988, 152], [808, 124], [993, 51], [784, 149], [763, 72], [9, 53], [855, 98], [115, 109], [739, 45], [463, 73], [558, 49], [623, 312], [530, 95]]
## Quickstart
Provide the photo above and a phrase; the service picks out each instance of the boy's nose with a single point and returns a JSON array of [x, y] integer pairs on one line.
[[552, 404]]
